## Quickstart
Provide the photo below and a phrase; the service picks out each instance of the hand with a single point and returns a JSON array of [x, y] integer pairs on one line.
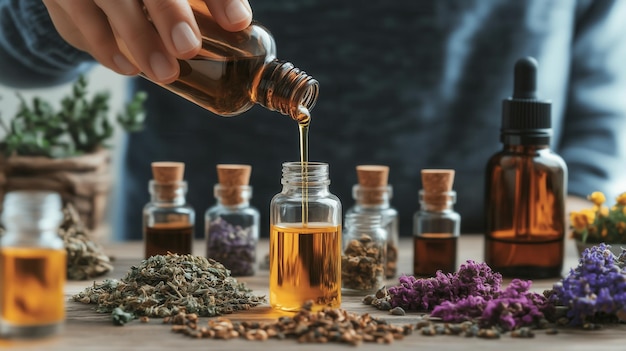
[[120, 36]]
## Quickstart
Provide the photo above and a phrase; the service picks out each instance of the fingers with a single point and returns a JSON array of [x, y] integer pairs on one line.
[[97, 37], [232, 15], [129, 39], [176, 26], [128, 20]]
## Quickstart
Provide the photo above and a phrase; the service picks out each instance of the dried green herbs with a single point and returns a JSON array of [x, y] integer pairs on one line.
[[85, 258], [165, 285]]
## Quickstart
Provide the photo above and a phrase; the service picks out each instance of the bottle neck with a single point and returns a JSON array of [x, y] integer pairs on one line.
[[32, 216], [437, 201], [311, 175], [363, 221], [169, 194], [233, 196], [372, 197], [285, 88]]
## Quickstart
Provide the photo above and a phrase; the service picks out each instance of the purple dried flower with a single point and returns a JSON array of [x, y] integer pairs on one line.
[[233, 246], [596, 288], [471, 279], [509, 309]]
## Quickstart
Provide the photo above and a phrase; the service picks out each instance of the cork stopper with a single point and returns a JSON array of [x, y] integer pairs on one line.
[[437, 184], [167, 176], [168, 172], [233, 180], [372, 183]]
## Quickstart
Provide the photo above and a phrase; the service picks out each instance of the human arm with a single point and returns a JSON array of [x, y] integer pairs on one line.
[[593, 140], [132, 36]]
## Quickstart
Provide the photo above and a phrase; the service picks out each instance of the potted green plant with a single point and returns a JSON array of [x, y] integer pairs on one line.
[[600, 223], [65, 149]]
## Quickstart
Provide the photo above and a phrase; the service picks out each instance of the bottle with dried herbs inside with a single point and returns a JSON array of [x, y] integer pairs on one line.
[[436, 226], [168, 221], [232, 224], [305, 240], [364, 253], [526, 186], [33, 265], [373, 195]]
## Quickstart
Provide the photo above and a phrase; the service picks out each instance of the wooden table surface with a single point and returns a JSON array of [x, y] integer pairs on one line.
[[87, 330]]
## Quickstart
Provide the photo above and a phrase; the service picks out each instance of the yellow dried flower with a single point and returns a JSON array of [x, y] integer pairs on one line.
[[581, 220], [621, 199], [600, 223], [597, 198]]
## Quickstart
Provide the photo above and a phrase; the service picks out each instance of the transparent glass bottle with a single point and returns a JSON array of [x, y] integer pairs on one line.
[[377, 201], [526, 186], [236, 70], [305, 239], [168, 221], [232, 229], [33, 265], [364, 253], [435, 235]]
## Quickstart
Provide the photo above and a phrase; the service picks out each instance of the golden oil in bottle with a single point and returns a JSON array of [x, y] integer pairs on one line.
[[305, 265], [32, 286], [33, 265]]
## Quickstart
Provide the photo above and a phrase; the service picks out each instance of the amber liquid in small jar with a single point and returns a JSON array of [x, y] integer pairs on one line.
[[305, 265], [433, 252], [32, 290], [164, 238]]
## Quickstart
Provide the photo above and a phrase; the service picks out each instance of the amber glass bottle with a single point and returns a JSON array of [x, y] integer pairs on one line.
[[526, 186], [236, 70]]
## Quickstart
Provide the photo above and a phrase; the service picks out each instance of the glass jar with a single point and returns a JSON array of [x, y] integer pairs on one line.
[[236, 70], [436, 230], [377, 201], [305, 240], [232, 229], [364, 254], [168, 221], [33, 265]]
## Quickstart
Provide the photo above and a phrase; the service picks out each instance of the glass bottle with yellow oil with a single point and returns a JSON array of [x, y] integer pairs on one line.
[[305, 239], [33, 265]]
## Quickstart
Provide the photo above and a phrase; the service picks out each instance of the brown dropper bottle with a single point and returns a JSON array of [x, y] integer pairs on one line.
[[526, 186], [236, 70]]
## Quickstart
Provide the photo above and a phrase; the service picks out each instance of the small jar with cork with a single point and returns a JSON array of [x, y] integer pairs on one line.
[[436, 226], [168, 221], [33, 265], [373, 195], [232, 224]]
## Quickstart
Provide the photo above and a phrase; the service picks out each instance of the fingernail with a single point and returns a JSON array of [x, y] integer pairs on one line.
[[161, 67], [184, 38], [237, 12], [123, 64]]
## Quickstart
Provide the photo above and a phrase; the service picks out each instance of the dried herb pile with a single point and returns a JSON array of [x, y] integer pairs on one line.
[[328, 325], [165, 285], [85, 258]]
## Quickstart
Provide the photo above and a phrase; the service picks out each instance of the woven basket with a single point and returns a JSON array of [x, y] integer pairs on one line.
[[84, 181]]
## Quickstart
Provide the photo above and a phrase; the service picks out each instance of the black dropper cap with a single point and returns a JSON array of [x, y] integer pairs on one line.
[[526, 120]]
